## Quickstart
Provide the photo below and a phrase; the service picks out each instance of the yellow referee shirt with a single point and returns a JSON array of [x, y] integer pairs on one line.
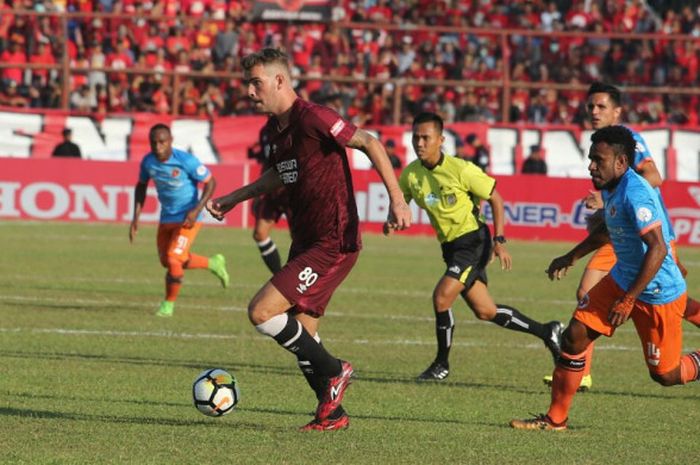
[[450, 192]]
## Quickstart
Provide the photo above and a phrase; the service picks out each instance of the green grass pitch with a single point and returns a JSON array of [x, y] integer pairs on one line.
[[88, 375]]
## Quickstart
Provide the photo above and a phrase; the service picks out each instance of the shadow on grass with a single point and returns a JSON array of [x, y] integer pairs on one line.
[[364, 376], [205, 423]]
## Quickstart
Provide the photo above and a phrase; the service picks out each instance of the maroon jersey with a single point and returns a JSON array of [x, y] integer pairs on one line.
[[310, 159]]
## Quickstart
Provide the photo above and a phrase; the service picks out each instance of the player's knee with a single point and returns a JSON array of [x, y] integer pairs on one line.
[[666, 379], [574, 339], [174, 265], [259, 236], [484, 313], [257, 314], [441, 301]]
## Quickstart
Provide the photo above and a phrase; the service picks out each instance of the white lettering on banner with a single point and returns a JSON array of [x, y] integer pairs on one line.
[[687, 145], [378, 204], [686, 221], [8, 190], [77, 202], [59, 204], [109, 142], [103, 201], [87, 195], [194, 136], [373, 205], [17, 132], [539, 214]]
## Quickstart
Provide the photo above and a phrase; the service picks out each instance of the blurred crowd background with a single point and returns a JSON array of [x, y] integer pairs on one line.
[[353, 61]]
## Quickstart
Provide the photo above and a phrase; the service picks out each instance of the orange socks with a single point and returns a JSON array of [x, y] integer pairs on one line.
[[566, 380], [197, 261], [690, 367], [172, 287], [692, 311]]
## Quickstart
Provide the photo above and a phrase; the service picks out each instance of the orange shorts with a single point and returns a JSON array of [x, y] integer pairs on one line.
[[603, 259], [174, 241], [658, 326]]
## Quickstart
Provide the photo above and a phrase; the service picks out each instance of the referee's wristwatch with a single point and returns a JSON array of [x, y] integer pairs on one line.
[[499, 239]]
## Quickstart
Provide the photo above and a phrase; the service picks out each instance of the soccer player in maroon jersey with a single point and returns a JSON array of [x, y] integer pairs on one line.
[[307, 152]]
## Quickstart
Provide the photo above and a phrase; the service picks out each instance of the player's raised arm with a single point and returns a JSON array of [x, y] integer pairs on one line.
[[267, 182], [399, 212]]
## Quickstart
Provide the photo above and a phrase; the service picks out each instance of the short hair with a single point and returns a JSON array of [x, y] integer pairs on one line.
[[604, 88], [158, 127], [619, 138], [264, 57], [429, 117]]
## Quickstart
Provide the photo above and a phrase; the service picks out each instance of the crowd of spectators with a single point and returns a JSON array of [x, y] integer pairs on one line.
[[212, 35]]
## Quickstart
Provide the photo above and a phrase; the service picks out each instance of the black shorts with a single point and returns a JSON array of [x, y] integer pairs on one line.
[[467, 256], [270, 206]]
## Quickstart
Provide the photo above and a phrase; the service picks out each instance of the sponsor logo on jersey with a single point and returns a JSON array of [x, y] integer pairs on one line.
[[431, 199], [288, 171], [643, 214], [175, 173], [337, 127], [451, 199], [454, 269]]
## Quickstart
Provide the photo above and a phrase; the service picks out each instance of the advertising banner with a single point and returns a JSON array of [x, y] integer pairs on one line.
[[536, 207]]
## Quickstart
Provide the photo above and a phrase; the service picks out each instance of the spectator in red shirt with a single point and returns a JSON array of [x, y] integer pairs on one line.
[[177, 41], [13, 55], [42, 56]]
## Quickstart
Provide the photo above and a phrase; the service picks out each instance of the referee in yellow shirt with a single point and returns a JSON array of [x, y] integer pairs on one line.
[[450, 190]]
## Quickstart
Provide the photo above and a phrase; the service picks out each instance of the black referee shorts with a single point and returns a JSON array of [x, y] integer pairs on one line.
[[467, 256]]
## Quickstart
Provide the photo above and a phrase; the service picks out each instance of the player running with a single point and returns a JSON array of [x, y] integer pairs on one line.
[[307, 151], [605, 109], [450, 190], [176, 175], [645, 283]]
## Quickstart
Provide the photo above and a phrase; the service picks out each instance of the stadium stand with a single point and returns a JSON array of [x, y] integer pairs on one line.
[[447, 52]]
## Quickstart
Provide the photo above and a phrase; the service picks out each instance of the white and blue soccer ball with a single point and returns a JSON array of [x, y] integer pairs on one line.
[[215, 392]]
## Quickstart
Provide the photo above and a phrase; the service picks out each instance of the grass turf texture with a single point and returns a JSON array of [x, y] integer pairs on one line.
[[89, 375]]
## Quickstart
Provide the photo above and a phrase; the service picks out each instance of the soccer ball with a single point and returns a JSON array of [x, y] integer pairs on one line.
[[215, 392]]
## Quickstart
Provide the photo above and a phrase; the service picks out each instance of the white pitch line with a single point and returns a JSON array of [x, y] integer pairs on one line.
[[231, 308], [209, 336]]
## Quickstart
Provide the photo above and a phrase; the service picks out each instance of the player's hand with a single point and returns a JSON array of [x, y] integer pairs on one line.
[[190, 219], [399, 215], [499, 250], [133, 229], [594, 200], [620, 310], [559, 267], [219, 206], [387, 229]]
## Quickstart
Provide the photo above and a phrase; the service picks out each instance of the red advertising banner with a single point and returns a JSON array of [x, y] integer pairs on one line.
[[537, 207]]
